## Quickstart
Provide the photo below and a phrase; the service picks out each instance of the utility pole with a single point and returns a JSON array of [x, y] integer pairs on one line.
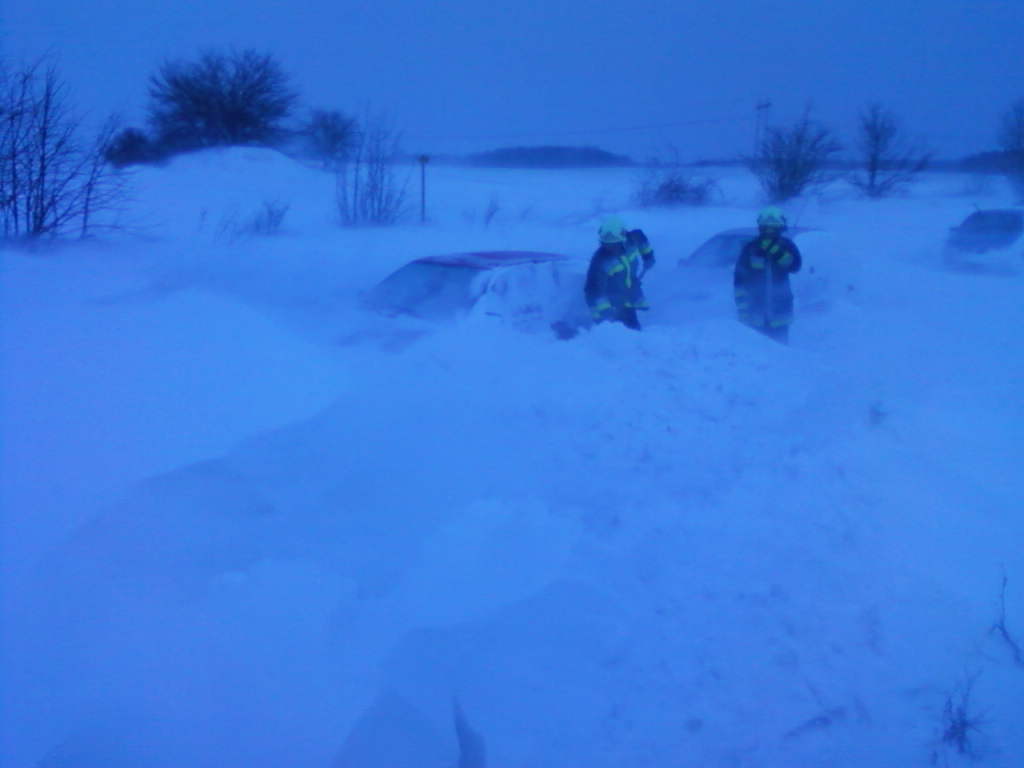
[[423, 160], [761, 109]]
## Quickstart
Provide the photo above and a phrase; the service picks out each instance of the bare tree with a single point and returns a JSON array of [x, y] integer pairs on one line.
[[1011, 141], [367, 188], [888, 160], [220, 99], [14, 146], [330, 136], [1011, 133], [791, 159], [51, 182]]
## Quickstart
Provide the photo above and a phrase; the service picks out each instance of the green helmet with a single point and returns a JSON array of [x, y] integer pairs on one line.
[[771, 218], [612, 230]]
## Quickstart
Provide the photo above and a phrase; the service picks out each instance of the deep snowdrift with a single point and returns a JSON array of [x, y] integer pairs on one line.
[[302, 532]]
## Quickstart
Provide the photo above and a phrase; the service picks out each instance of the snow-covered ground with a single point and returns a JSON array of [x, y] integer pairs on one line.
[[247, 524]]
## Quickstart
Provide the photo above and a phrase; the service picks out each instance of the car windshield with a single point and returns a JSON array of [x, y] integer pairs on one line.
[[721, 250], [425, 289]]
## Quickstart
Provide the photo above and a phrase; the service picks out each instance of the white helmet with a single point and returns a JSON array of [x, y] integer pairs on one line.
[[612, 230]]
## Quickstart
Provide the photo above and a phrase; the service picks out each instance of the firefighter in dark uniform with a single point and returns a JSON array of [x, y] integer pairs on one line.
[[764, 300], [613, 290]]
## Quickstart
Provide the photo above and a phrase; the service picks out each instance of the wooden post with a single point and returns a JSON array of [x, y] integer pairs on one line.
[[424, 159]]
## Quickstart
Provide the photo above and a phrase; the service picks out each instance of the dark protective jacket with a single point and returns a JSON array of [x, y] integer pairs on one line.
[[761, 289], [613, 279]]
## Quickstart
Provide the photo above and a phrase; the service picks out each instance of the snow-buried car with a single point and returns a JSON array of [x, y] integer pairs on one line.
[[828, 272], [524, 287], [989, 240]]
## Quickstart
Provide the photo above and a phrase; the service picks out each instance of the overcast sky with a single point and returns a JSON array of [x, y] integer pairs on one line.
[[643, 77]]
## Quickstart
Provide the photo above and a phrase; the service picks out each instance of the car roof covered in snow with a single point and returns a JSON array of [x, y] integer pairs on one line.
[[754, 231], [1007, 217], [491, 259]]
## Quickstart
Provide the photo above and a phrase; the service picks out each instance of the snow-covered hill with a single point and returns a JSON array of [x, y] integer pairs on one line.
[[247, 524]]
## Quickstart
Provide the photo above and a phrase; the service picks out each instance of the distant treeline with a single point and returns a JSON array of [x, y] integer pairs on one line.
[[548, 157], [982, 162], [991, 162], [594, 157]]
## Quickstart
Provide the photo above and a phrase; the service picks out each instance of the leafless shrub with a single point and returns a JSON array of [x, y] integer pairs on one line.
[[330, 137], [960, 725], [52, 182], [668, 187], [265, 221], [888, 160], [269, 218], [229, 227], [791, 159], [366, 184]]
